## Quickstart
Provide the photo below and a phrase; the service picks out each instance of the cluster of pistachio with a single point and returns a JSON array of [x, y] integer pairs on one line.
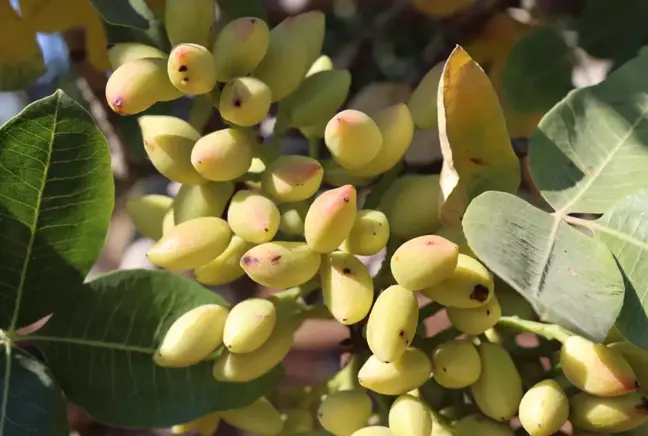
[[287, 232]]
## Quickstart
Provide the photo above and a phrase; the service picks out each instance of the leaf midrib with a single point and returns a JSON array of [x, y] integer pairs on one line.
[[561, 213], [32, 236], [88, 343]]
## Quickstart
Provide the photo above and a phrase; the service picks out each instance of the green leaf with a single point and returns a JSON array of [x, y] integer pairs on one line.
[[128, 13], [538, 71], [100, 344], [56, 197], [624, 230], [569, 278], [591, 149], [233, 9], [32, 402], [607, 31]]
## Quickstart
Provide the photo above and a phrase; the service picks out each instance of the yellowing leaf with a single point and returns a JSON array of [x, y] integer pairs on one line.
[[476, 147], [50, 16], [490, 49], [21, 62], [441, 8]]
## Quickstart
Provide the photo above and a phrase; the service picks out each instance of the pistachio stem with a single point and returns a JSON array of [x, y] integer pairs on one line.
[[200, 112], [280, 128], [549, 331], [379, 189], [313, 147], [429, 309], [439, 420]]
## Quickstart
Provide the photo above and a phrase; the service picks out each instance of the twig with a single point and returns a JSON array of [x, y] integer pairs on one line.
[[549, 331]]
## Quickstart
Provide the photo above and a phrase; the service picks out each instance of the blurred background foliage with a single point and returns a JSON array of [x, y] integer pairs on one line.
[[534, 51]]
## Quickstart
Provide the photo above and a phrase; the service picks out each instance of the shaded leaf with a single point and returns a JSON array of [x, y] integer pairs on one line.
[[624, 229], [590, 149], [569, 278], [122, 12], [476, 148], [538, 71], [32, 402], [21, 61], [233, 9], [100, 343], [56, 198], [607, 31]]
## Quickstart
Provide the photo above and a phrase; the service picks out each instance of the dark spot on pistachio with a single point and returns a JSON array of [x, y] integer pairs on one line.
[[488, 312], [345, 319], [265, 229], [119, 103], [445, 369], [346, 199], [477, 161], [182, 68], [253, 20], [246, 260], [401, 333], [479, 293], [237, 102], [276, 259], [346, 271], [374, 233]]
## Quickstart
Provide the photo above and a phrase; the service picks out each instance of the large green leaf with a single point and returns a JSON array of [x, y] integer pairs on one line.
[[100, 342], [32, 402], [56, 197], [624, 229], [591, 149], [606, 30], [128, 13], [569, 278], [538, 71]]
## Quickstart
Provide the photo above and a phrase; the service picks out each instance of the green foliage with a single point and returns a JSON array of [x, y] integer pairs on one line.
[[100, 343], [538, 71], [566, 275], [32, 400], [56, 200], [556, 244], [623, 229], [128, 13]]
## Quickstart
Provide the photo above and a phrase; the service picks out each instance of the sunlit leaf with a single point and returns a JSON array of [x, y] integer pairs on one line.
[[591, 149], [56, 198], [476, 147], [568, 277]]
